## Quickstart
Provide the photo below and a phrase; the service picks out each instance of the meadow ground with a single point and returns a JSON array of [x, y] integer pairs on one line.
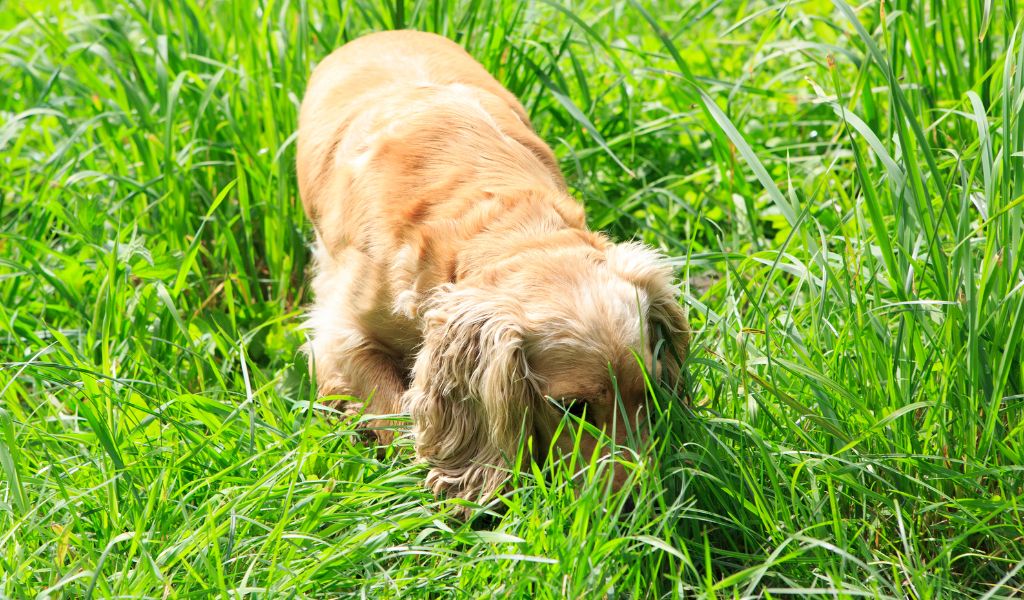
[[842, 187]]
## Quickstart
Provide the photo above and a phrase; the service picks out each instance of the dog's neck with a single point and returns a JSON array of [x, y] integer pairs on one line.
[[526, 224]]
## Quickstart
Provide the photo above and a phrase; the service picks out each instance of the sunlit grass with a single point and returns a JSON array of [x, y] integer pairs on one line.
[[842, 188]]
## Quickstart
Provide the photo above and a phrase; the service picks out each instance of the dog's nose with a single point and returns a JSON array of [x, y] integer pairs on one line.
[[628, 505]]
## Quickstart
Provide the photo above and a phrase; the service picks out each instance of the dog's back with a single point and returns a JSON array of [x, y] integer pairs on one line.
[[426, 115], [397, 59]]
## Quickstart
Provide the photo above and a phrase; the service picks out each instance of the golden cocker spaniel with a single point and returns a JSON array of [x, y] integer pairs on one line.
[[455, 277]]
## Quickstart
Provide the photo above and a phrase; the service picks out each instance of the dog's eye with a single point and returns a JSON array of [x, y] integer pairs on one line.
[[574, 406]]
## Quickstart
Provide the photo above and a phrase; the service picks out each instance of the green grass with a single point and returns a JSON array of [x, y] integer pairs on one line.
[[843, 187]]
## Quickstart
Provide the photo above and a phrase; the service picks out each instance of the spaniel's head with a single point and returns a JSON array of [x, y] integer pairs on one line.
[[553, 333]]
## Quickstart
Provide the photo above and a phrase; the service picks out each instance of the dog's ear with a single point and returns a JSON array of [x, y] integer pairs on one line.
[[669, 331], [669, 334], [470, 396]]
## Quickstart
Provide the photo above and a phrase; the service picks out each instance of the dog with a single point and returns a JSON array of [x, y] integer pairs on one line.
[[455, 277]]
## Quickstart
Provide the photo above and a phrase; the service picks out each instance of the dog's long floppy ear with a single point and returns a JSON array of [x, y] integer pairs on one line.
[[471, 395], [669, 331]]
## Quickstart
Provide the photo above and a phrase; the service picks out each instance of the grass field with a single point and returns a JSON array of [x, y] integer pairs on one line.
[[842, 186]]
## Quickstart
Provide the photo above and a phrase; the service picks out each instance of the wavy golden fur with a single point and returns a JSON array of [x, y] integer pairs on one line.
[[455, 278]]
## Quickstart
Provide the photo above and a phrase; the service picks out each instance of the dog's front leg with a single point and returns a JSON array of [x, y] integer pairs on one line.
[[348, 363]]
